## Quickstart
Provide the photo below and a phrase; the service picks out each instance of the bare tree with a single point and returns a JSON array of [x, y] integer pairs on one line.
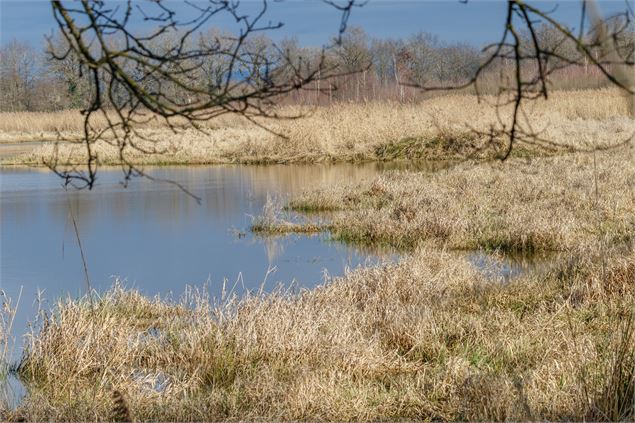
[[18, 76], [68, 72], [383, 53], [421, 58], [457, 62], [181, 72], [161, 74], [353, 53], [353, 56]]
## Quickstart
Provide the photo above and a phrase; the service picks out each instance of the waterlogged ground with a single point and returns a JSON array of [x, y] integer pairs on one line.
[[157, 239]]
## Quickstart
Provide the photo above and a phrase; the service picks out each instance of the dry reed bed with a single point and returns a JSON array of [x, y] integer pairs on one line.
[[556, 204], [438, 128], [68, 125], [430, 338]]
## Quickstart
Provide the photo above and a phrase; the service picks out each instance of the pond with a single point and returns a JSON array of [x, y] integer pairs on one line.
[[157, 239]]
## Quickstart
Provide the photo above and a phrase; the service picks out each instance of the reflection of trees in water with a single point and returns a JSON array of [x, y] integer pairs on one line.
[[230, 190], [227, 191]]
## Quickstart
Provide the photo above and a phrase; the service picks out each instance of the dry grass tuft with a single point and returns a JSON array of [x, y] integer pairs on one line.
[[430, 338], [616, 401], [273, 221], [548, 204]]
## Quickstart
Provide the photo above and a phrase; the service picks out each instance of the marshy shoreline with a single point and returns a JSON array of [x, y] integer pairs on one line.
[[440, 128], [428, 338], [551, 204]]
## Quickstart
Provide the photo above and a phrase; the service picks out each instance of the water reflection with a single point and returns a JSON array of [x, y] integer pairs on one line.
[[506, 267], [159, 239], [8, 150], [12, 390]]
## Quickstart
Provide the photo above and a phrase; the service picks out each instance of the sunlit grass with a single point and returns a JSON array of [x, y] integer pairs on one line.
[[439, 128], [547, 204], [429, 338]]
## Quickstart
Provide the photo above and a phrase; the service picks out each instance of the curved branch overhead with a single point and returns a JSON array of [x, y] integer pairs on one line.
[[182, 70], [176, 72]]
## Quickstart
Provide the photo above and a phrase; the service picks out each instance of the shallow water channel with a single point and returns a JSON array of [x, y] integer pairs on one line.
[[158, 240]]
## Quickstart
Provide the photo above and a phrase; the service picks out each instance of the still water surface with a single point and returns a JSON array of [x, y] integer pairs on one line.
[[156, 238]]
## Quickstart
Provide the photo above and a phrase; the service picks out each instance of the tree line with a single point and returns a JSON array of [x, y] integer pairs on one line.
[[50, 77]]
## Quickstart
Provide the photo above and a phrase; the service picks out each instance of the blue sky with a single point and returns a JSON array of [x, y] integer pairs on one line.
[[313, 23]]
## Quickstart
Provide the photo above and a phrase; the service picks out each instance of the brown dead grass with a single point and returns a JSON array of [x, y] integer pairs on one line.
[[546, 204], [429, 338], [438, 128]]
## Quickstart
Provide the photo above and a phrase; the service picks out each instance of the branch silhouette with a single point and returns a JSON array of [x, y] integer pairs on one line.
[[607, 45], [174, 73]]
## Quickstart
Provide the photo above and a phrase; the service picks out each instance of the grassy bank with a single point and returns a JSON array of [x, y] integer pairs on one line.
[[547, 204], [429, 338], [438, 128]]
